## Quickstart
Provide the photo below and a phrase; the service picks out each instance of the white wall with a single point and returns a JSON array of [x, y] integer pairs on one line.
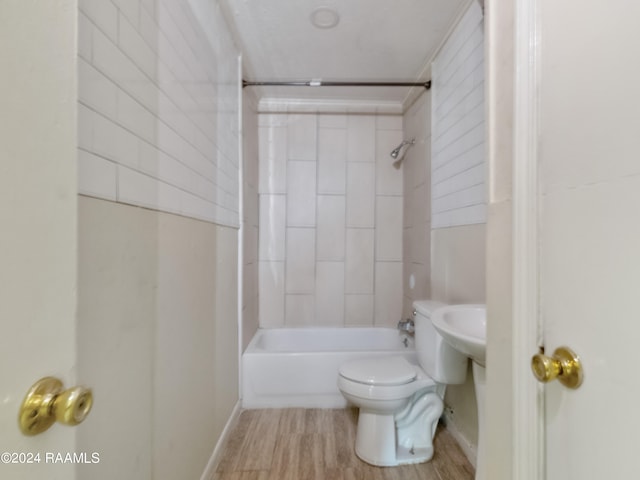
[[330, 220], [458, 168], [158, 108]]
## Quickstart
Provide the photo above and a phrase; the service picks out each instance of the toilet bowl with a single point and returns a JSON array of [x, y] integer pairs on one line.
[[400, 402]]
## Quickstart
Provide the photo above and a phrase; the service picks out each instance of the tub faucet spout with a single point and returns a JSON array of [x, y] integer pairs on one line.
[[406, 326]]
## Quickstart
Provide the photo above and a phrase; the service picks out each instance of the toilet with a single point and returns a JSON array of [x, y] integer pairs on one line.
[[400, 402]]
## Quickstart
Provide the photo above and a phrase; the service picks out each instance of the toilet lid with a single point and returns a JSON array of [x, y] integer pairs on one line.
[[379, 371]]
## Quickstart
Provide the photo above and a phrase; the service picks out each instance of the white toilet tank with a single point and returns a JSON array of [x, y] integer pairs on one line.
[[440, 360]]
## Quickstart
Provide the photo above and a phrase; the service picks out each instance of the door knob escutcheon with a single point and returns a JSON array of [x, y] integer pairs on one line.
[[564, 365], [47, 402]]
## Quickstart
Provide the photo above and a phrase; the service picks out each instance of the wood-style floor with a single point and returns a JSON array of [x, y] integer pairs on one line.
[[314, 444]]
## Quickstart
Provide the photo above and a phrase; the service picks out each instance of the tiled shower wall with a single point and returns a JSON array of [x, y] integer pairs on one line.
[[458, 170], [417, 197], [330, 227], [158, 107]]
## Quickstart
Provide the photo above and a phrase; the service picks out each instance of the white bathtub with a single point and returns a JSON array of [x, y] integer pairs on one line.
[[298, 367]]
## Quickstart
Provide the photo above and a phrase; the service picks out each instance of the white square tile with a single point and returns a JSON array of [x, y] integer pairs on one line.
[[361, 138], [133, 116], [96, 176], [112, 141], [272, 227], [271, 288], [358, 310], [130, 9], [329, 293], [132, 43], [299, 310], [388, 294], [273, 159], [85, 127], [85, 37], [332, 157], [171, 199], [389, 229], [331, 227], [388, 178], [148, 26], [360, 194], [359, 260], [301, 194], [301, 259], [302, 137], [136, 188], [103, 14], [96, 90], [149, 158]]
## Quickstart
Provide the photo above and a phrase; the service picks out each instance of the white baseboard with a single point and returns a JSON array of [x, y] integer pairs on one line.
[[470, 450], [222, 441]]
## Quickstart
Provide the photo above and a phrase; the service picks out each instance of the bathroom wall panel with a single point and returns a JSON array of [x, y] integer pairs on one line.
[[344, 197], [158, 128], [250, 217], [416, 232], [458, 113], [157, 316], [159, 96]]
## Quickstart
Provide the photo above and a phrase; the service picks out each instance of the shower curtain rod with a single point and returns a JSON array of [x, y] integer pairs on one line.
[[322, 83]]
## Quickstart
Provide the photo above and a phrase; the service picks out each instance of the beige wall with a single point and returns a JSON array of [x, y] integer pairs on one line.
[[498, 414], [458, 276], [416, 238], [157, 319], [249, 216]]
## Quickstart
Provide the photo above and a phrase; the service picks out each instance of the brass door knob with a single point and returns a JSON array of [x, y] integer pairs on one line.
[[46, 402], [564, 365]]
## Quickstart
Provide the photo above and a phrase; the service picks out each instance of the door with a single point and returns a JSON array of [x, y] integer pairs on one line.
[[38, 203], [586, 67]]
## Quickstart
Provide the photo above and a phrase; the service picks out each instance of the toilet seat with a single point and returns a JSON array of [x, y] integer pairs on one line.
[[387, 371], [400, 380]]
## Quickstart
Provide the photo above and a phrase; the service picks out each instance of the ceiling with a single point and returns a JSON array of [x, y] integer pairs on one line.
[[374, 40]]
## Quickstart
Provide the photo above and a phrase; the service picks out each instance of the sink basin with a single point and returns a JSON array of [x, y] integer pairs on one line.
[[465, 328]]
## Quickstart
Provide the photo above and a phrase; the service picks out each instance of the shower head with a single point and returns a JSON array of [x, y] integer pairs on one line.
[[395, 153]]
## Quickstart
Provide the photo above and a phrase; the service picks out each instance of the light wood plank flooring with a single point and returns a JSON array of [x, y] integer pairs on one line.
[[314, 444]]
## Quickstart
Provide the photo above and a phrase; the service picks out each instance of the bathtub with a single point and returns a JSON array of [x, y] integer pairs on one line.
[[298, 367]]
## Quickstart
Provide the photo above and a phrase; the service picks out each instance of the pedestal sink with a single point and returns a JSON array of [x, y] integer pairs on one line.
[[465, 328]]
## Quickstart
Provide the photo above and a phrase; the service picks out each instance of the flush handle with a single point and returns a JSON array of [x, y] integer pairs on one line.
[[47, 402], [564, 364]]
